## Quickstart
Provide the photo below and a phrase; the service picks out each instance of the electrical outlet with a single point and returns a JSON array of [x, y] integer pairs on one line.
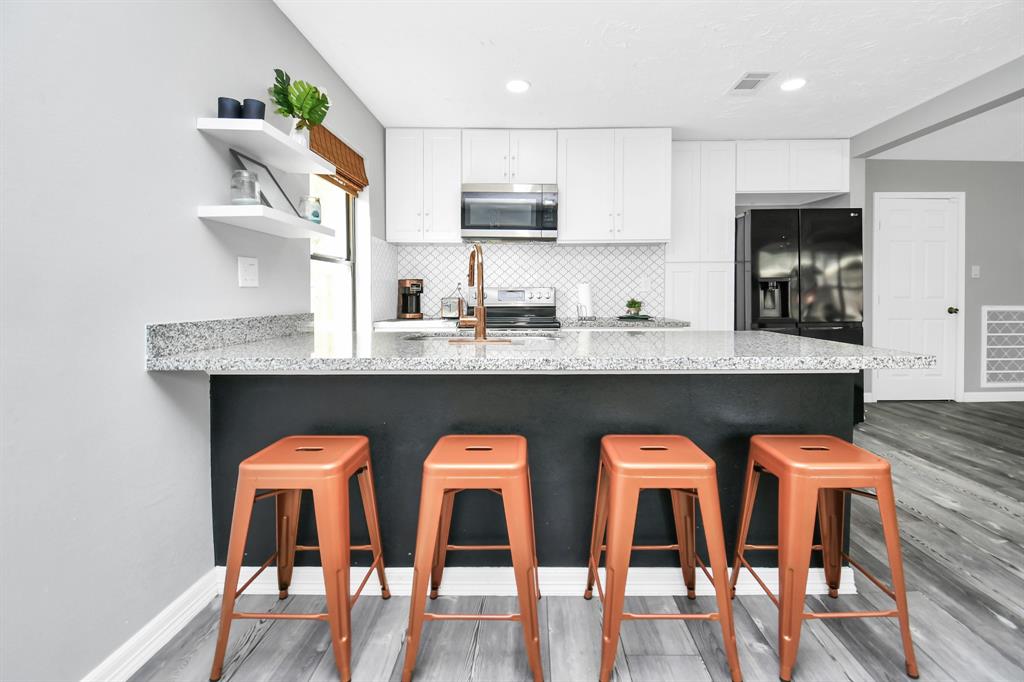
[[248, 272], [975, 272]]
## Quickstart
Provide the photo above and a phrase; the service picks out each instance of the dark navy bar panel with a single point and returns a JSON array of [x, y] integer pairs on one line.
[[562, 416]]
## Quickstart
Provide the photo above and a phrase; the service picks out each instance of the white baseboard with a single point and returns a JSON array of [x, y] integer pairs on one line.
[[554, 581], [993, 396], [869, 398], [131, 655]]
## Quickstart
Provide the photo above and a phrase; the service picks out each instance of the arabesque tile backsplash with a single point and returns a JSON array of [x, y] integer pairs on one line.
[[615, 273]]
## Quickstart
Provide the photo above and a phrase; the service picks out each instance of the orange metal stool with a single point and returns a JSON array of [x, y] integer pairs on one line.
[[815, 474], [630, 464], [498, 464], [323, 464]]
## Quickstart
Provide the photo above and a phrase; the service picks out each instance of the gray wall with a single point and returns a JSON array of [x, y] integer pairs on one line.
[[105, 468], [995, 233]]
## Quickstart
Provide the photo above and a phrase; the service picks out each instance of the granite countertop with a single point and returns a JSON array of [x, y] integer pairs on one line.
[[616, 323], [230, 346]]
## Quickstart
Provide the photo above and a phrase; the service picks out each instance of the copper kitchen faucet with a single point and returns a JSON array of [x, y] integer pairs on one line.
[[479, 317]]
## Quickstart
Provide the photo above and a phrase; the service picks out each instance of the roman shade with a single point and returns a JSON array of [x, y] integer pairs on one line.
[[351, 173]]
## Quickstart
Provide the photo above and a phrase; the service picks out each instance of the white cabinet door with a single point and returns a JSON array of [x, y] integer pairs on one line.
[[532, 156], [643, 182], [485, 156], [586, 185], [762, 166], [442, 185], [717, 201], [404, 181], [701, 294], [684, 244], [716, 287], [819, 165], [682, 293]]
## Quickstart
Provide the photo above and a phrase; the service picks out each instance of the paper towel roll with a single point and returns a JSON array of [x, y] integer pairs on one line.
[[584, 305]]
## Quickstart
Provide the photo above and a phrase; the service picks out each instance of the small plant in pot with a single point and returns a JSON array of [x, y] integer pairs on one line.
[[301, 101], [633, 306]]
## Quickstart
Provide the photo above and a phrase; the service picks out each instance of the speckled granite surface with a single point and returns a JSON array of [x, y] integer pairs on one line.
[[616, 323], [184, 337], [532, 351]]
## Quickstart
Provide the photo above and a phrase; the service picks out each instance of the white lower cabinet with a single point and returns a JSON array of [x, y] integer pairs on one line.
[[700, 293], [423, 172]]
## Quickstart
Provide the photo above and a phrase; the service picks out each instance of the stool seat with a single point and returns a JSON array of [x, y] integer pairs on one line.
[[808, 455], [309, 456], [655, 456], [469, 455]]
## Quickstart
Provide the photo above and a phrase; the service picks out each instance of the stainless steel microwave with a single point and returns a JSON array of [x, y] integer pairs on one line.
[[498, 212]]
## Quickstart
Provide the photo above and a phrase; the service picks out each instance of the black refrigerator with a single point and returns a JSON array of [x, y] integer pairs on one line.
[[801, 272]]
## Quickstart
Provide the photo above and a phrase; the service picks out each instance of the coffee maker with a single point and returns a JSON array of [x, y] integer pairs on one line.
[[409, 291]]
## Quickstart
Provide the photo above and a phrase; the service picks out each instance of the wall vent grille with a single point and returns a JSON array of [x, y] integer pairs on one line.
[[1002, 346], [750, 82]]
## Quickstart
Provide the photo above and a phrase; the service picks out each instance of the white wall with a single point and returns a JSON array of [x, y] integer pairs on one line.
[[105, 468]]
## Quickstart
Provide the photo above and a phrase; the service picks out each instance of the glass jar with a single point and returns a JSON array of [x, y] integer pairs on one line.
[[245, 187], [309, 208]]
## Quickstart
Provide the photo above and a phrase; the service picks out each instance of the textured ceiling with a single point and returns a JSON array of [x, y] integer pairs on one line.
[[658, 63], [996, 135]]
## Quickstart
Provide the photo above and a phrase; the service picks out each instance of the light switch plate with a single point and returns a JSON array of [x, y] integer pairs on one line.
[[975, 272], [248, 272]]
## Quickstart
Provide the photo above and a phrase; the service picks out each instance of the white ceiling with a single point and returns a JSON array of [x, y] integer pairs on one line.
[[996, 135], [657, 63]]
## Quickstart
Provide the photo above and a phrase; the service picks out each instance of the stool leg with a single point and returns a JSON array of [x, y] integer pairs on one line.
[[686, 528], [287, 504], [431, 499], [831, 517], [516, 497], [369, 497], [330, 501], [240, 517], [798, 502], [533, 537], [711, 515], [597, 531], [441, 550], [622, 501], [751, 479], [887, 509]]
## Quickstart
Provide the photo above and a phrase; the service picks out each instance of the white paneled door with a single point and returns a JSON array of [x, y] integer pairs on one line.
[[917, 284]]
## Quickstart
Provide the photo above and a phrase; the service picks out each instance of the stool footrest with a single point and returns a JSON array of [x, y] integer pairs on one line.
[[472, 616], [670, 616], [850, 614], [650, 548], [279, 616], [466, 548]]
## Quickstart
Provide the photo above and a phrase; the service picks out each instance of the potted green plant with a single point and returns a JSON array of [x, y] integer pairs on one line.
[[633, 306], [301, 101]]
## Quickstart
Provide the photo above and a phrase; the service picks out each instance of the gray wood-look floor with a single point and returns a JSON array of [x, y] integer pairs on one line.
[[958, 472]]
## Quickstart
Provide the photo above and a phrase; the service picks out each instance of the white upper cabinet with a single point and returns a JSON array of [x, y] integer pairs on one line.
[[819, 165], [614, 185], [792, 166], [703, 201], [506, 156], [403, 159], [442, 186], [586, 185], [485, 156], [532, 156], [423, 198], [643, 180]]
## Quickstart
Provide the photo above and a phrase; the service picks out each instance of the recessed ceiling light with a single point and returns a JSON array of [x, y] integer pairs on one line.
[[793, 84], [517, 86]]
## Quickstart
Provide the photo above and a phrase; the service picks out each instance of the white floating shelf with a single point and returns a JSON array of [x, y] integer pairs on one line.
[[264, 142], [264, 219]]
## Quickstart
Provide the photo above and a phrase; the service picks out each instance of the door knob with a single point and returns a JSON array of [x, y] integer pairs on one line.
[[952, 310]]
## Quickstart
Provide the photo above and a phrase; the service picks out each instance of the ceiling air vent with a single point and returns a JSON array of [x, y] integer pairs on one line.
[[750, 82]]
